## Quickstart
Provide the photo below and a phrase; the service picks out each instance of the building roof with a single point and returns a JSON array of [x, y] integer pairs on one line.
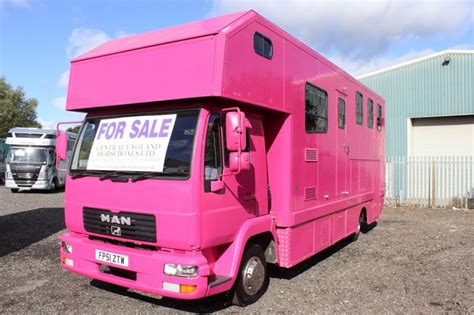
[[162, 36], [415, 61]]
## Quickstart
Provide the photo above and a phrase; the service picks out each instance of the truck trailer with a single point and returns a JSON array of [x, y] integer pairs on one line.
[[210, 150], [30, 161]]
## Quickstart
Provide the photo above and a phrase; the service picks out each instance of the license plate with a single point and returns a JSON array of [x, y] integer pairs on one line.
[[115, 259]]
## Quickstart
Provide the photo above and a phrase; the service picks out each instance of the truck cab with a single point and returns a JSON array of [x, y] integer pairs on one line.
[[30, 161]]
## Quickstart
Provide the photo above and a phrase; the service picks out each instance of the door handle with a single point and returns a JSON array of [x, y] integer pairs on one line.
[[249, 197], [346, 147]]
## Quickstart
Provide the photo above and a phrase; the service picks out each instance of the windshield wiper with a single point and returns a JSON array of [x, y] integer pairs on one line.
[[112, 174], [146, 176], [85, 173]]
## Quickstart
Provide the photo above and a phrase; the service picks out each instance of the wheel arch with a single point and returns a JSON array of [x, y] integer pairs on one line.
[[261, 231]]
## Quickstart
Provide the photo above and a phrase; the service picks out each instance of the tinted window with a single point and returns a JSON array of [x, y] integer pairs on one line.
[[213, 153], [316, 109], [262, 45], [370, 113], [341, 113], [359, 110], [379, 116]]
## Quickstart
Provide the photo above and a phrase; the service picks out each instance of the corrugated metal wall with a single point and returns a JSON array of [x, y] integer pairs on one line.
[[423, 89]]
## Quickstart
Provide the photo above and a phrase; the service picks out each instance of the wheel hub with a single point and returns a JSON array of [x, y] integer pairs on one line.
[[254, 276]]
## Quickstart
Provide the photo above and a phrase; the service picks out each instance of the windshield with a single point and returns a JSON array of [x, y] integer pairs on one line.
[[27, 155], [160, 143]]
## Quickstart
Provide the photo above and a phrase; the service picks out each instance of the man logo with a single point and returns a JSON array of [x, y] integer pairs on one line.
[[116, 230], [123, 220]]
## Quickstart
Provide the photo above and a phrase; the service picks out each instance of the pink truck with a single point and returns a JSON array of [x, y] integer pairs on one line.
[[211, 150]]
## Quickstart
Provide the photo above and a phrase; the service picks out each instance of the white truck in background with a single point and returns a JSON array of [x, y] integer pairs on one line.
[[30, 161]]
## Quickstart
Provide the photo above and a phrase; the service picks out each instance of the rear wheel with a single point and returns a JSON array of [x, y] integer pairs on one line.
[[253, 280], [360, 226]]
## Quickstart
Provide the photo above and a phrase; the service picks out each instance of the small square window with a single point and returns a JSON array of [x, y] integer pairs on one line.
[[379, 117], [262, 45], [316, 109], [359, 109], [341, 113], [370, 113]]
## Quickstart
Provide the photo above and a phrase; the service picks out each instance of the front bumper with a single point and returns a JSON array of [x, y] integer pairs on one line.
[[39, 184], [147, 264]]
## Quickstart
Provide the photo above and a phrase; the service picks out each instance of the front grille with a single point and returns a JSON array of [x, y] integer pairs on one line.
[[28, 135], [25, 175], [142, 227]]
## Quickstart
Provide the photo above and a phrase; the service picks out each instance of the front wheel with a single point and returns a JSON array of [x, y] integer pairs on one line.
[[54, 185], [14, 190], [253, 280]]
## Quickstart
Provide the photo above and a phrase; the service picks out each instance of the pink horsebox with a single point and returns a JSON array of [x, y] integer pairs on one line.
[[211, 150]]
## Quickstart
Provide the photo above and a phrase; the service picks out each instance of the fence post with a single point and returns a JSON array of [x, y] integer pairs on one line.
[[433, 184]]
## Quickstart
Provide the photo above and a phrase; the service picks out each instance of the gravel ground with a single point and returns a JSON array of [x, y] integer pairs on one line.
[[413, 261]]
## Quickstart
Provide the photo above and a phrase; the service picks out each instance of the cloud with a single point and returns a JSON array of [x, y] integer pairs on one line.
[[24, 4], [59, 102], [82, 40], [360, 29], [121, 34], [63, 80], [357, 67], [47, 124]]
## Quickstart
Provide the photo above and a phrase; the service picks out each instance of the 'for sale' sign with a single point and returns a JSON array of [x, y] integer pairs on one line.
[[131, 143]]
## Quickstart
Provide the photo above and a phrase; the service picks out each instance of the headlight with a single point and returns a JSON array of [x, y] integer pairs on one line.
[[180, 271], [67, 247], [41, 175], [9, 175]]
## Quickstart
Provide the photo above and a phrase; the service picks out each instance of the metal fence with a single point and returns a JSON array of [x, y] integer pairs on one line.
[[430, 180]]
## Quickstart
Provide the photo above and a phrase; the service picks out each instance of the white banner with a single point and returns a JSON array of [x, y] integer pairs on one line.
[[132, 143]]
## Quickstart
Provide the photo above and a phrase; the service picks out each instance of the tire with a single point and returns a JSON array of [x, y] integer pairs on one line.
[[247, 290], [54, 185], [360, 226], [14, 190]]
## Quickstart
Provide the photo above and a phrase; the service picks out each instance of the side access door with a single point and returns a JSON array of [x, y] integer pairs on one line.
[[343, 149]]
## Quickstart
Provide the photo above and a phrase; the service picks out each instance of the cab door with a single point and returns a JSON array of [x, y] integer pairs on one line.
[[253, 183], [244, 195]]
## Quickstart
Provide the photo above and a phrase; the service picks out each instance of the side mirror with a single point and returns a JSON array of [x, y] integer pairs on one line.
[[235, 131], [239, 161], [217, 185], [61, 145]]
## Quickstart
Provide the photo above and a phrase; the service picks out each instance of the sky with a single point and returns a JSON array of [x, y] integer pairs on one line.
[[38, 38]]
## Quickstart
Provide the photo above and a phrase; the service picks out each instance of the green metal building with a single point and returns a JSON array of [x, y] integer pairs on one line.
[[429, 104]]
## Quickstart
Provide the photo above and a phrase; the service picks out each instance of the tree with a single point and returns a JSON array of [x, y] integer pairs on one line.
[[74, 129], [15, 109]]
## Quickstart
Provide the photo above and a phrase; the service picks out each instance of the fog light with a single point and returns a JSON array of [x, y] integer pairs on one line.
[[67, 247], [180, 271], [187, 288], [179, 288], [67, 261]]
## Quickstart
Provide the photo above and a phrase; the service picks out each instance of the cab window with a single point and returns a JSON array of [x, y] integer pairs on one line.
[[213, 152]]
